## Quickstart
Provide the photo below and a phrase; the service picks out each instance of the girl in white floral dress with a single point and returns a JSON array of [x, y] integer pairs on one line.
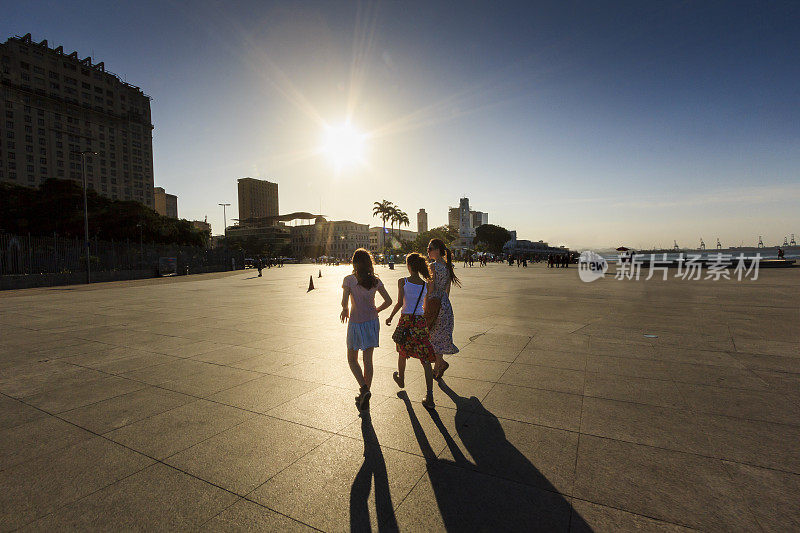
[[441, 325]]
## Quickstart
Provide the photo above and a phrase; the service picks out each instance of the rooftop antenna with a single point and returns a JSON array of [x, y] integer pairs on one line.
[[792, 242], [760, 242], [702, 244], [719, 244]]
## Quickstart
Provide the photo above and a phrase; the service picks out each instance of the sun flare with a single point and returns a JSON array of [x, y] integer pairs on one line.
[[344, 145]]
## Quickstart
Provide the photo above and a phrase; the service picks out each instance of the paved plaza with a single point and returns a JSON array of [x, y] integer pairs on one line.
[[224, 402]]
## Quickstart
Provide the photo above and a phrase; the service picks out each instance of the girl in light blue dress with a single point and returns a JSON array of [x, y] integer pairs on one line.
[[358, 309]]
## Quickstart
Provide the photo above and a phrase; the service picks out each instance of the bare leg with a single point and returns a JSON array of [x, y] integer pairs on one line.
[[437, 367], [426, 366], [368, 367], [355, 368], [400, 375]]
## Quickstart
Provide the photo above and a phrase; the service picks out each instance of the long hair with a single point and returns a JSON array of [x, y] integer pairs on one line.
[[364, 269], [438, 244], [418, 265]]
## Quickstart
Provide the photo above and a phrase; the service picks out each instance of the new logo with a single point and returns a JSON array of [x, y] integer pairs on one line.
[[591, 266]]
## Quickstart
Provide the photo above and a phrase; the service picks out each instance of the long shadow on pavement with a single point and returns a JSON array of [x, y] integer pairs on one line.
[[373, 467], [501, 490]]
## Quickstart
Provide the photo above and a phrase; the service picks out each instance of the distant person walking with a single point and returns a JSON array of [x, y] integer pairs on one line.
[[259, 266], [438, 310], [411, 336], [358, 306]]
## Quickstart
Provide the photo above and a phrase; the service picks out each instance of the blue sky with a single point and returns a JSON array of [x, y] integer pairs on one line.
[[578, 123]]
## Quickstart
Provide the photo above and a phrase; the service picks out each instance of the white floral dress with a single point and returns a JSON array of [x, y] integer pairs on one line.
[[442, 332]]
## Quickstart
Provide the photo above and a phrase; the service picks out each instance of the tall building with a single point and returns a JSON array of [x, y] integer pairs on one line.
[[54, 105], [257, 199], [479, 218], [165, 204], [422, 221], [454, 217]]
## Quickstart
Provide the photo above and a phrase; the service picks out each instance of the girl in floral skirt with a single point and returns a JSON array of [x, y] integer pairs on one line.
[[415, 341]]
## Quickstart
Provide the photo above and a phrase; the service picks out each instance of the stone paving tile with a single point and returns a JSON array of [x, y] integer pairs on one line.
[[158, 374], [553, 357], [393, 425], [269, 362], [565, 343], [450, 498], [631, 389], [245, 515], [771, 495], [38, 487], [39, 437], [544, 407], [14, 413], [228, 355], [678, 354], [768, 347], [777, 363], [529, 454], [25, 380], [544, 377], [158, 498], [264, 393], [719, 376], [169, 432], [209, 380], [755, 405], [90, 391], [476, 369], [343, 486], [753, 441], [663, 427], [489, 352], [118, 360], [588, 517], [327, 408], [243, 457], [625, 366], [666, 485], [125, 409], [460, 391]]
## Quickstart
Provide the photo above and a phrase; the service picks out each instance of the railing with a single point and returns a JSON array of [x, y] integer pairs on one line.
[[26, 255]]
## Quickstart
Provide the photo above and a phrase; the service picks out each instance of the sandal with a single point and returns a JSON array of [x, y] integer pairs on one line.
[[441, 374], [400, 382], [362, 401], [428, 403]]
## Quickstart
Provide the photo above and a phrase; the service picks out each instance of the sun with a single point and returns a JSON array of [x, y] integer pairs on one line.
[[344, 146]]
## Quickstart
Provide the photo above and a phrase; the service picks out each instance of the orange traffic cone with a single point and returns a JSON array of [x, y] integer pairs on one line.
[[310, 283]]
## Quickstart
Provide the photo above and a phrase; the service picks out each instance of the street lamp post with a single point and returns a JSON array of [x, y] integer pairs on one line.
[[225, 218], [86, 211]]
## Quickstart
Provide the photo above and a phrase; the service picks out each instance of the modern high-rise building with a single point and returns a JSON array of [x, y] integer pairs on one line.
[[165, 204], [422, 221], [479, 218], [53, 106], [257, 199]]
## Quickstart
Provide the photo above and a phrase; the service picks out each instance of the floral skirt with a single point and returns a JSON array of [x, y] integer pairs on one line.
[[418, 344]]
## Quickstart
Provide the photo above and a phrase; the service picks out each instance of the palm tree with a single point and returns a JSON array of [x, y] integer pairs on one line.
[[383, 211], [402, 220], [394, 212]]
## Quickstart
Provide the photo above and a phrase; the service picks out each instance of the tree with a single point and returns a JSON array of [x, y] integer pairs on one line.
[[383, 210], [402, 219], [493, 237], [447, 234], [393, 214]]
